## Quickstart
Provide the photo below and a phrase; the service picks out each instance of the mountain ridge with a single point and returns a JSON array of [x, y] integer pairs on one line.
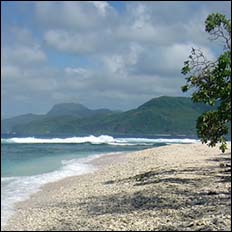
[[74, 109], [162, 115]]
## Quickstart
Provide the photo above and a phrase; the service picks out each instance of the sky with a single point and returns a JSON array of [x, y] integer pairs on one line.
[[114, 54]]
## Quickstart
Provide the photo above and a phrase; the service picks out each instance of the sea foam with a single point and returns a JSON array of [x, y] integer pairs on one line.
[[19, 188], [103, 139], [15, 189]]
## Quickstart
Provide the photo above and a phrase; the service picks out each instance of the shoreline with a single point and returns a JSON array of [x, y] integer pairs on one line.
[[119, 195], [92, 166]]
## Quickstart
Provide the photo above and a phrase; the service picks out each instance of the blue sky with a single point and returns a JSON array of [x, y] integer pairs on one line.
[[114, 55]]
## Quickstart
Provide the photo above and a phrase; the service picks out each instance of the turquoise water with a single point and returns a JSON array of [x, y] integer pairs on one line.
[[33, 159], [28, 163]]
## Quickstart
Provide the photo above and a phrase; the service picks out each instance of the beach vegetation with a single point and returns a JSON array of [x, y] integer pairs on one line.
[[210, 82]]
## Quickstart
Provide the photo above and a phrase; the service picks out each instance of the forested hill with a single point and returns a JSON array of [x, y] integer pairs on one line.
[[163, 115]]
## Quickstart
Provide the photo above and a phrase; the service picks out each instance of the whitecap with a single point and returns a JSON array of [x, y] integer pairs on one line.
[[102, 139]]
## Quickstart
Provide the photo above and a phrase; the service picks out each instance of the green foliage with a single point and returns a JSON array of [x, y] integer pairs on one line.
[[211, 81], [163, 115]]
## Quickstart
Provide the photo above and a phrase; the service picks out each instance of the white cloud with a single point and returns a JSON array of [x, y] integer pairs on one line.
[[104, 55], [70, 42], [80, 72], [10, 71], [98, 33], [24, 54], [73, 14], [20, 49], [173, 57], [102, 6], [122, 62]]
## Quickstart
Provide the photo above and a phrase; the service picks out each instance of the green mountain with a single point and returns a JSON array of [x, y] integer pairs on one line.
[[163, 115], [7, 125], [74, 109]]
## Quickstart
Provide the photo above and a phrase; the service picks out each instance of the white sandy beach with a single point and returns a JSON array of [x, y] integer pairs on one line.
[[175, 187]]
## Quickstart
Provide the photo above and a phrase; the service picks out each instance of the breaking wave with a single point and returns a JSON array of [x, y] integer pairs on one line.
[[103, 139], [19, 188]]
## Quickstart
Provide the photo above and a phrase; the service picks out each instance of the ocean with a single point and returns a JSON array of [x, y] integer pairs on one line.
[[27, 163]]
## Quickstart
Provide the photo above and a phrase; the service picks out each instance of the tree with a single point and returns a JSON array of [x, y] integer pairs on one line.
[[210, 82]]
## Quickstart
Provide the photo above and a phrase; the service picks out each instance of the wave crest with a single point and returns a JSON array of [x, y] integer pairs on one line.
[[103, 139], [87, 139]]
